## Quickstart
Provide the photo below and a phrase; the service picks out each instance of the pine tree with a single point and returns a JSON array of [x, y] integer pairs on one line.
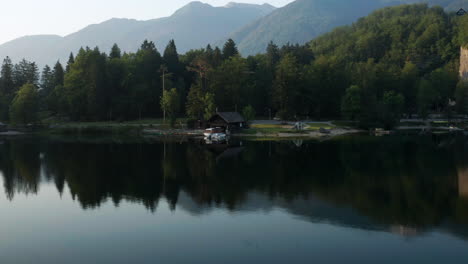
[[25, 72], [6, 88], [217, 57], [209, 54], [230, 49], [286, 88], [71, 60], [6, 77], [47, 80], [115, 52], [272, 54], [58, 74], [171, 60]]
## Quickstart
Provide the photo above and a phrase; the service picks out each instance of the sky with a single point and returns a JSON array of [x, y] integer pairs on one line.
[[62, 17]]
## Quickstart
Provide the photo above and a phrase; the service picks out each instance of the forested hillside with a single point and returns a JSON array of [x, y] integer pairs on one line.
[[304, 20], [398, 60], [406, 51]]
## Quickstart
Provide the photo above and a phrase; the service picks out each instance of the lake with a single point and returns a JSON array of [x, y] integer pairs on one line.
[[395, 199]]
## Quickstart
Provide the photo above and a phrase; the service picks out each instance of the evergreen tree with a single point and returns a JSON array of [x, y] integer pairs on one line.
[[115, 52], [7, 88], [47, 81], [71, 60], [146, 80], [230, 83], [230, 49], [286, 87], [209, 52], [85, 86], [25, 72], [272, 54], [6, 77], [171, 58], [217, 57], [58, 74]]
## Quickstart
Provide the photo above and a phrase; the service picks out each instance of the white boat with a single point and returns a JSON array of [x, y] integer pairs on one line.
[[214, 130]]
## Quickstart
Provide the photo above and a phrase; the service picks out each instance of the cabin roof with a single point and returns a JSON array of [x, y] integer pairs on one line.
[[230, 117], [461, 12]]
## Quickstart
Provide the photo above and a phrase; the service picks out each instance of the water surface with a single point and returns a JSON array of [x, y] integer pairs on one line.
[[354, 200]]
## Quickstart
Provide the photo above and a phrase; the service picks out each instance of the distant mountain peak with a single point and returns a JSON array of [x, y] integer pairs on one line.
[[235, 4], [192, 7]]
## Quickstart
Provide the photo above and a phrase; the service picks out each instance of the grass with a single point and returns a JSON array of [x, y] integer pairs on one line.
[[271, 129], [95, 130], [159, 123], [317, 126], [341, 123], [267, 129], [109, 127], [411, 124]]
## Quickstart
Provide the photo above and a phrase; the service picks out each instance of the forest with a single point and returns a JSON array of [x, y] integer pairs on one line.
[[398, 61]]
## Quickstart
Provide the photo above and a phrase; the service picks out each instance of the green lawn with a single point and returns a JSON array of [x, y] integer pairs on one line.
[[342, 123], [159, 122], [275, 129], [317, 126], [268, 129], [411, 124]]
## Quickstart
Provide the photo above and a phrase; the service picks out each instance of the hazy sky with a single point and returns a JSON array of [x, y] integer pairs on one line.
[[62, 17]]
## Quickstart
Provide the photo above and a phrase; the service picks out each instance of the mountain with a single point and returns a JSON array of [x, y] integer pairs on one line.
[[193, 26], [304, 20]]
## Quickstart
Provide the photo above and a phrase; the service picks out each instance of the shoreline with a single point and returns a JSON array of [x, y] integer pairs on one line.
[[260, 129]]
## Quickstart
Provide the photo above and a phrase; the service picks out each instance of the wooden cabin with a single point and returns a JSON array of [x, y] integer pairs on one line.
[[461, 12], [227, 120]]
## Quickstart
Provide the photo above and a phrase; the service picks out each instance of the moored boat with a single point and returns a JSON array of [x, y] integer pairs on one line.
[[213, 130]]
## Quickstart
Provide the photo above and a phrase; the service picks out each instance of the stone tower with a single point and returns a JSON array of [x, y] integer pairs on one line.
[[464, 64]]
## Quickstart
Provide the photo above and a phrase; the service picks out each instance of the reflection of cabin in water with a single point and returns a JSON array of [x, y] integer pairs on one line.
[[3, 127], [227, 120]]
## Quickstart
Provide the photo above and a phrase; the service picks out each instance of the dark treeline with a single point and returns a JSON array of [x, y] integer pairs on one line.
[[399, 60]]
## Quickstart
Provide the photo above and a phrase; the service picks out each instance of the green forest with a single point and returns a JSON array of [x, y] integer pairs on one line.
[[398, 61]]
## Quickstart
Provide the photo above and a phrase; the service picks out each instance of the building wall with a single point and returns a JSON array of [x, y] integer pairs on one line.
[[464, 63]]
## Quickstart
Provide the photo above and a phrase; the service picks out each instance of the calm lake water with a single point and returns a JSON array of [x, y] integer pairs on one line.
[[354, 200]]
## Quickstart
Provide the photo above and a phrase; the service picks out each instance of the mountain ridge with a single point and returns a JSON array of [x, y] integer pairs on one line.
[[214, 23]]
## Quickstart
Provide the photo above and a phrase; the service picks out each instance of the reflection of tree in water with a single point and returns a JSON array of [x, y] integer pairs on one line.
[[20, 165], [398, 182]]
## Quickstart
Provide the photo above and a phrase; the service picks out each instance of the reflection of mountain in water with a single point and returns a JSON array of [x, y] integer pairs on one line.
[[309, 209], [400, 185]]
